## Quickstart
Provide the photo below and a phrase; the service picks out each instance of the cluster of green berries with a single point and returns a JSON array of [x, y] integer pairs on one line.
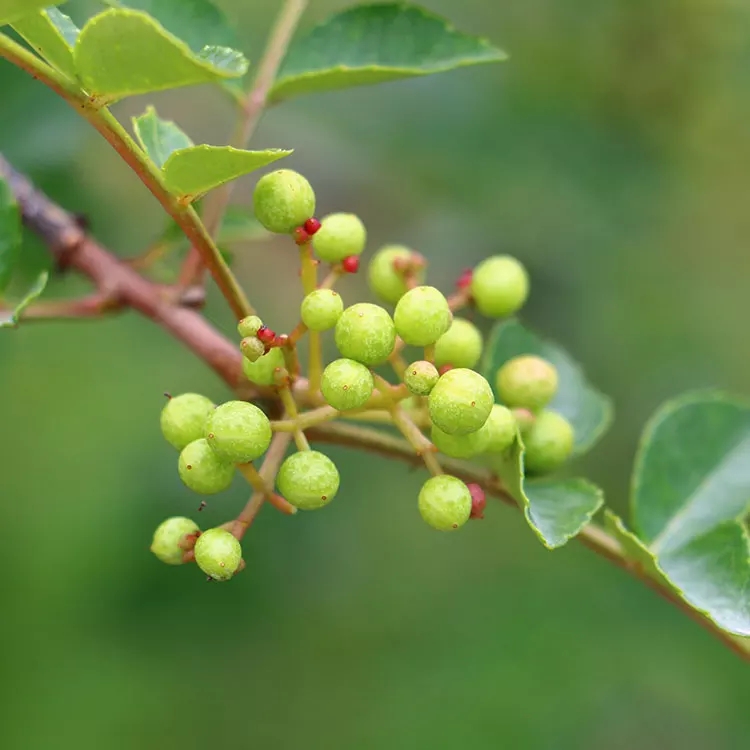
[[447, 398]]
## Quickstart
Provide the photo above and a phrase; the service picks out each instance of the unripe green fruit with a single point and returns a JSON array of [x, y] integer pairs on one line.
[[238, 432], [420, 377], [459, 346], [340, 235], [283, 200], [524, 419], [184, 417], [252, 348], [422, 316], [527, 381], [202, 470], [218, 554], [262, 371], [459, 446], [249, 326], [445, 502], [460, 402], [499, 286], [548, 443], [385, 281], [346, 384], [308, 480], [167, 538], [499, 431], [321, 309], [365, 333]]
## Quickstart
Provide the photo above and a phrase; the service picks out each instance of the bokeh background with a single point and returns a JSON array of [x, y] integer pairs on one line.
[[610, 154]]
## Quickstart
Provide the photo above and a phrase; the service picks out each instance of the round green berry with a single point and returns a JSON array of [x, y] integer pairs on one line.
[[167, 538], [445, 502], [499, 431], [249, 326], [420, 377], [339, 236], [499, 286], [459, 446], [548, 443], [218, 554], [346, 384], [308, 480], [527, 381], [252, 348], [386, 281], [459, 346], [422, 316], [238, 432], [460, 402], [524, 419], [321, 309], [184, 418], [263, 370], [365, 333], [202, 470], [283, 200]]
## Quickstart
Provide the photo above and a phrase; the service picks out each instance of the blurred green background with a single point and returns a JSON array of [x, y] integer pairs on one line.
[[610, 154]]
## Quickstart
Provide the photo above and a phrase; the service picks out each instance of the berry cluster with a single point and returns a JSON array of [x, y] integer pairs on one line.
[[440, 403]]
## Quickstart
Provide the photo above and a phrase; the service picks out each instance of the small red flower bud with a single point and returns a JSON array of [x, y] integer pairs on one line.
[[311, 226], [464, 280], [350, 264], [442, 370], [478, 500], [301, 237], [266, 335]]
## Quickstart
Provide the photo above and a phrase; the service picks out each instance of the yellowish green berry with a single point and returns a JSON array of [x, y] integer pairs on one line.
[[422, 316], [548, 442], [459, 446], [445, 502], [365, 333], [249, 326], [346, 384], [167, 538], [386, 281], [528, 382], [184, 418], [499, 286], [252, 348], [308, 480], [202, 470], [238, 432], [340, 235], [321, 309], [218, 554], [459, 346], [420, 377], [283, 200], [499, 431], [460, 402], [263, 370]]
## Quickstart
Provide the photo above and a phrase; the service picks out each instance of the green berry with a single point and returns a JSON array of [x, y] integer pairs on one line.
[[499, 286], [527, 381], [524, 419], [445, 502], [202, 470], [308, 480], [422, 316], [548, 443], [420, 377], [252, 348], [167, 538], [339, 236], [460, 402], [238, 432], [283, 200], [218, 554], [385, 280], [459, 446], [499, 431], [249, 326], [346, 384], [365, 333], [184, 418], [459, 346], [321, 309], [262, 371]]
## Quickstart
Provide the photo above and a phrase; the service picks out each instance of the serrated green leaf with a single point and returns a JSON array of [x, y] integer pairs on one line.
[[10, 233], [11, 319], [588, 410], [12, 10], [124, 52], [556, 510], [192, 172], [375, 43], [53, 35], [159, 138]]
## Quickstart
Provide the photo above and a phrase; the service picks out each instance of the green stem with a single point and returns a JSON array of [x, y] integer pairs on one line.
[[265, 486], [290, 406]]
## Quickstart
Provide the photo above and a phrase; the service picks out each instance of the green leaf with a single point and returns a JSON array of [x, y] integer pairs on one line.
[[123, 52], [375, 43], [691, 492], [159, 138], [192, 172], [556, 510], [53, 35], [10, 233], [12, 10], [10, 319], [588, 410]]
